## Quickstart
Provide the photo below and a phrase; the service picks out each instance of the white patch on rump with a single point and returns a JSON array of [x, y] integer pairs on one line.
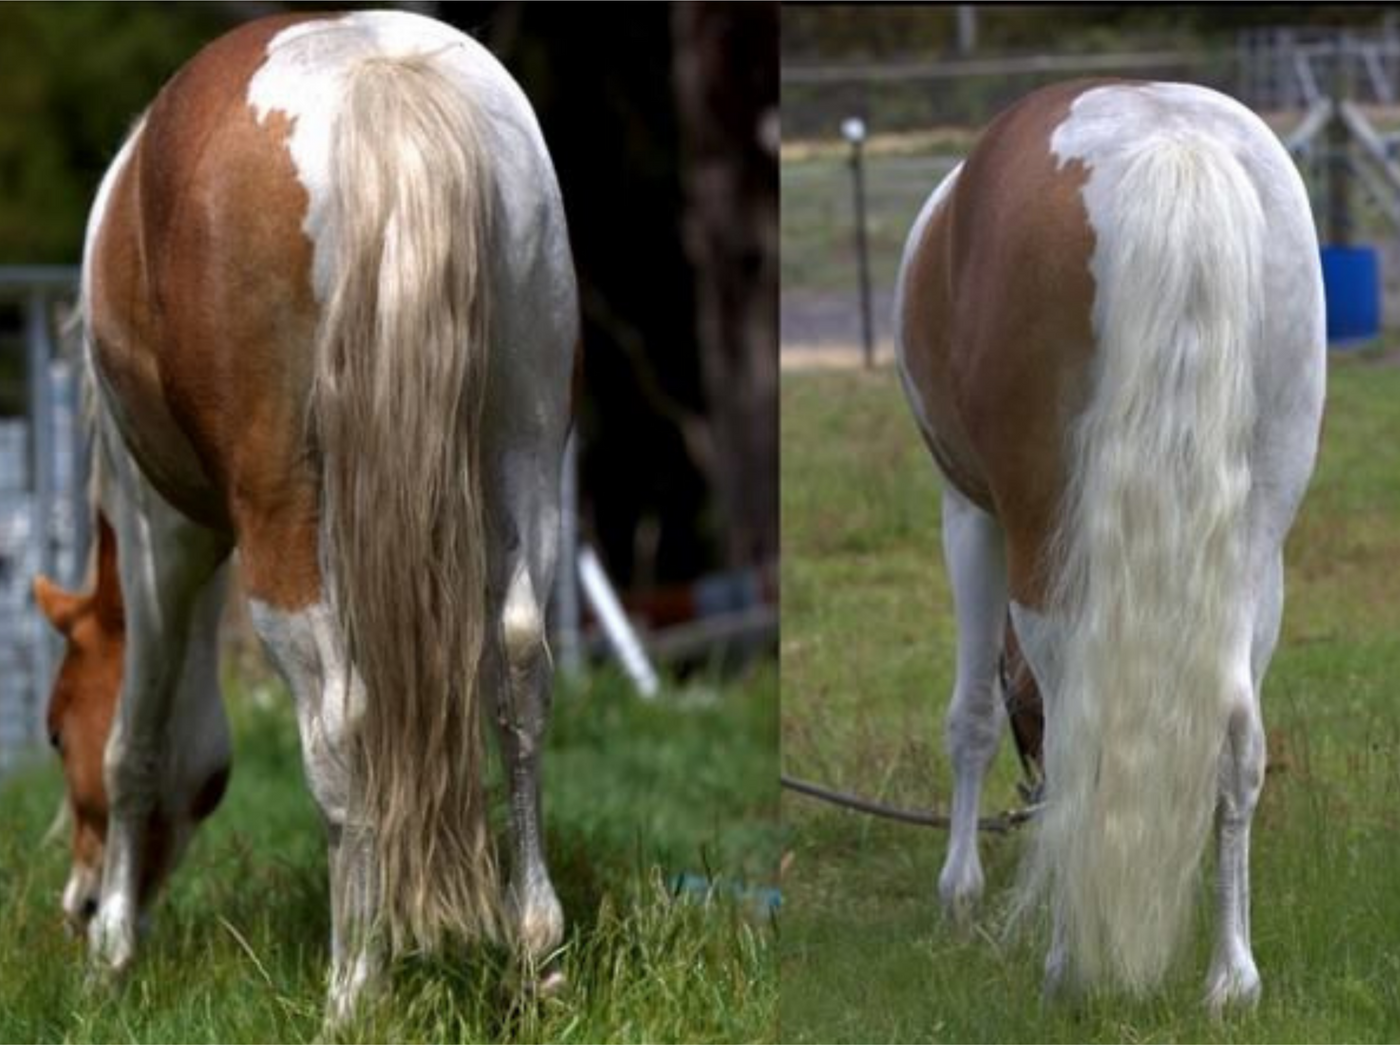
[[303, 76]]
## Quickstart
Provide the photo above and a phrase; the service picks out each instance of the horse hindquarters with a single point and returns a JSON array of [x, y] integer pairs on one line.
[[449, 274], [1149, 604]]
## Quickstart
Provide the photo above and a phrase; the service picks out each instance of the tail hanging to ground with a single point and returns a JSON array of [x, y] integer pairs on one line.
[[401, 368], [1148, 560]]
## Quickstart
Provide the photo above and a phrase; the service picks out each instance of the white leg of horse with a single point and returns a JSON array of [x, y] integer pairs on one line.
[[1290, 376], [1233, 976], [357, 960], [522, 686], [973, 549], [167, 563], [308, 649]]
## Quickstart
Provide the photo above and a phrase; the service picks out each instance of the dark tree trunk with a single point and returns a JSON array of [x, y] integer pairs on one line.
[[727, 99]]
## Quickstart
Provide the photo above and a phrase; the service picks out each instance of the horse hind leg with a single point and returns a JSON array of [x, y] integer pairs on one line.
[[522, 715], [1234, 978], [309, 650], [974, 551]]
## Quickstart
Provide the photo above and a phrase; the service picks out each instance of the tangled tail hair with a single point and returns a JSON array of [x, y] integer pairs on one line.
[[401, 367], [1149, 560]]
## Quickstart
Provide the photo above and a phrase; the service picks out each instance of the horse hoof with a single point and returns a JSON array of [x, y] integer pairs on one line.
[[539, 924], [112, 939], [552, 984], [1232, 988], [356, 983], [103, 978], [960, 886], [960, 908]]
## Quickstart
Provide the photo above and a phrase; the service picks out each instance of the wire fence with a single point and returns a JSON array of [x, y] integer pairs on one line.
[[925, 114], [819, 318], [905, 96]]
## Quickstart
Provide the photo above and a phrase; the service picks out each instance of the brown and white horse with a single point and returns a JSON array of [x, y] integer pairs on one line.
[[1111, 334], [331, 315]]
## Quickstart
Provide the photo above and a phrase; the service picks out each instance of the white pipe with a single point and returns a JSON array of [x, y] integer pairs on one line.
[[621, 635], [567, 637]]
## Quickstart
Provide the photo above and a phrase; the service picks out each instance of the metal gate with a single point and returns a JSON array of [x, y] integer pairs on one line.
[[44, 520]]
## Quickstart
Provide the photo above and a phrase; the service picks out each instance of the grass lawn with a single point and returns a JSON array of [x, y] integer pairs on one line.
[[867, 663], [637, 796]]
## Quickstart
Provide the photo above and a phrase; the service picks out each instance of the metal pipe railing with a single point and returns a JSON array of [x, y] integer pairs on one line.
[[37, 288]]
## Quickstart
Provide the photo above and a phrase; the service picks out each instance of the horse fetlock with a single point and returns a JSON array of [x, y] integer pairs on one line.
[[960, 888], [1233, 983], [355, 982], [1056, 985], [551, 984], [81, 896], [537, 922], [521, 717], [113, 934]]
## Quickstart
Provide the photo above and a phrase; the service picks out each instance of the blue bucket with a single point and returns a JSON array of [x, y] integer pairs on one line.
[[1352, 279]]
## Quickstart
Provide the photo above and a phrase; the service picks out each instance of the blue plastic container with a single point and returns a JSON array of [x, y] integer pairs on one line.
[[1351, 277]]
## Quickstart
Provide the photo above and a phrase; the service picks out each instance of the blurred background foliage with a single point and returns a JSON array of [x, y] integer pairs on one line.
[[74, 77]]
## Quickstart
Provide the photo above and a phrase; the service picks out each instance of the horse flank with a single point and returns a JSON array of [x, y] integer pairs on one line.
[[401, 365], [1148, 556]]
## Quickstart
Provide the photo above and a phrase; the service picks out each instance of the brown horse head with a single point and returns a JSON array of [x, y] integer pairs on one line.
[[81, 708], [84, 698]]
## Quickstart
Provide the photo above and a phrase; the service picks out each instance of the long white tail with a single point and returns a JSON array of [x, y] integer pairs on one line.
[[1149, 557], [401, 370]]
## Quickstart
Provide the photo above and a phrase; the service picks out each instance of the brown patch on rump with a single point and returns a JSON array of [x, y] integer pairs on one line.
[[998, 320], [204, 316]]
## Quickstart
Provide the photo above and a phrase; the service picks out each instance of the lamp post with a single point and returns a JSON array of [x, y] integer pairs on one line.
[[853, 130]]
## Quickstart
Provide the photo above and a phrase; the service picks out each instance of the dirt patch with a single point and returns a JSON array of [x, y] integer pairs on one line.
[[820, 330], [834, 356]]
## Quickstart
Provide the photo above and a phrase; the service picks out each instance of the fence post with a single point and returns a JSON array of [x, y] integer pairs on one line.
[[80, 444], [1339, 148], [38, 352]]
